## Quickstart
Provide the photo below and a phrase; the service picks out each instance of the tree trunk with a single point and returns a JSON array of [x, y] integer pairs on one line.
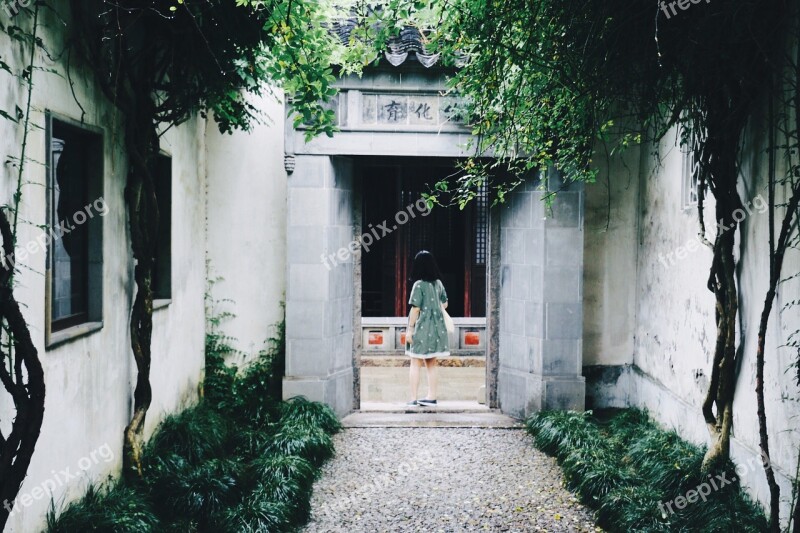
[[774, 270], [141, 139], [777, 255], [774, 488], [721, 395], [724, 128], [16, 450], [776, 267], [796, 516], [21, 372]]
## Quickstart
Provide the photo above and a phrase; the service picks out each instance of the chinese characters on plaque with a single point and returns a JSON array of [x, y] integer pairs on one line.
[[414, 110]]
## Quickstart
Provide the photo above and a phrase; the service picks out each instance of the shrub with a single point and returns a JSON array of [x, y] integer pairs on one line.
[[119, 509], [310, 443], [240, 461], [250, 395], [259, 514], [220, 377], [286, 479], [666, 460], [633, 508], [593, 472], [251, 443], [180, 488], [302, 412], [558, 432], [197, 434], [253, 398], [621, 464]]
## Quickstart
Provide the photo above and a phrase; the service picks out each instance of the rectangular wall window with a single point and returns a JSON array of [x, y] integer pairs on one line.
[[689, 180], [74, 222], [162, 272], [691, 171]]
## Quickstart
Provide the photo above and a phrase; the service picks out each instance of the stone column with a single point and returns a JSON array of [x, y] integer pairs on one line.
[[541, 310], [493, 308], [320, 286]]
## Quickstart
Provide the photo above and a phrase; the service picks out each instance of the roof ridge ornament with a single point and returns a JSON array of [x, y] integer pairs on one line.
[[398, 49]]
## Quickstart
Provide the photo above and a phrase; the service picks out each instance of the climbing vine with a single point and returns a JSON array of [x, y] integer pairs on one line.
[[784, 215], [21, 370], [162, 63]]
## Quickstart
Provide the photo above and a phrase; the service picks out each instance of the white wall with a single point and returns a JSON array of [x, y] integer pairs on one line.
[[672, 330], [610, 239], [675, 330], [179, 329], [90, 379], [246, 223]]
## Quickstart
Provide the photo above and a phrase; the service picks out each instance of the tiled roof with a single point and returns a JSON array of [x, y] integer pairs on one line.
[[398, 49]]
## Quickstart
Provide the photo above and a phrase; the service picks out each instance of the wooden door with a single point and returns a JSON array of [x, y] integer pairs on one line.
[[456, 238]]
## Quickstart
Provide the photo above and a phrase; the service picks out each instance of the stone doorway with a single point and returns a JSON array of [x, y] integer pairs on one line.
[[395, 215], [395, 223], [534, 300]]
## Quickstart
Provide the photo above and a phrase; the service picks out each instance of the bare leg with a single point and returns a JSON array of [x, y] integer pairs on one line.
[[414, 377], [433, 377]]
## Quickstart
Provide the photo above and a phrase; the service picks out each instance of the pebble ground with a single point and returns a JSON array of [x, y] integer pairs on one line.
[[442, 480]]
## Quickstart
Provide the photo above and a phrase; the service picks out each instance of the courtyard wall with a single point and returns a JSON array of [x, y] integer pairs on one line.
[[246, 201], [90, 373], [652, 337]]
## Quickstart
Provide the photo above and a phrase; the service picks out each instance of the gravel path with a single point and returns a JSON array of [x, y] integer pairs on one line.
[[442, 479]]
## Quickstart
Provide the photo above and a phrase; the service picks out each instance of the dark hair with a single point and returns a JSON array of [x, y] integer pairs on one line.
[[425, 267]]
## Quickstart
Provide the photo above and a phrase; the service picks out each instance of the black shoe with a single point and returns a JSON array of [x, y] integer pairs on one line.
[[429, 403]]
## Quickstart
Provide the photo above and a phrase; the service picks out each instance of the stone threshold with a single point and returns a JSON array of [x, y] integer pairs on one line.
[[424, 420], [445, 406]]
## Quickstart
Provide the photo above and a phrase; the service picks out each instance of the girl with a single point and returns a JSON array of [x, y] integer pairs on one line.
[[426, 335]]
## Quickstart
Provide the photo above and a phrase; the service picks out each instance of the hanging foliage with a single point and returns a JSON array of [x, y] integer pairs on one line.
[[162, 62], [547, 80]]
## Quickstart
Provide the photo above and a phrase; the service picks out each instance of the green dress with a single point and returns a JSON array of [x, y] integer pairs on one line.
[[430, 337]]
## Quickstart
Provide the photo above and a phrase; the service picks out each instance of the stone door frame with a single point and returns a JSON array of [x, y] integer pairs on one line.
[[535, 285], [492, 293]]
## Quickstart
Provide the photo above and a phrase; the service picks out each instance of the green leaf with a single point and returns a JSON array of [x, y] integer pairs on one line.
[[6, 116]]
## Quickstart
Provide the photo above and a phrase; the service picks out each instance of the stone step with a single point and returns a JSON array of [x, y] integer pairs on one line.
[[444, 406], [430, 420]]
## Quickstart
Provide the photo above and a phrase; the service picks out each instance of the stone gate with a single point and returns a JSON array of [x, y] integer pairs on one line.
[[534, 274]]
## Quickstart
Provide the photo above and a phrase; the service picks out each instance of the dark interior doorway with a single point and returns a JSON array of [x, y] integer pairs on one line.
[[458, 238]]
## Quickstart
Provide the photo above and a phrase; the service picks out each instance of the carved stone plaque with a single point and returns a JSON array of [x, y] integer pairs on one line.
[[411, 109]]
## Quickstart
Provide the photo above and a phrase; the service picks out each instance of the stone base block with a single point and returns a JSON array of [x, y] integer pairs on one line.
[[608, 386], [335, 390], [522, 394], [564, 393]]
